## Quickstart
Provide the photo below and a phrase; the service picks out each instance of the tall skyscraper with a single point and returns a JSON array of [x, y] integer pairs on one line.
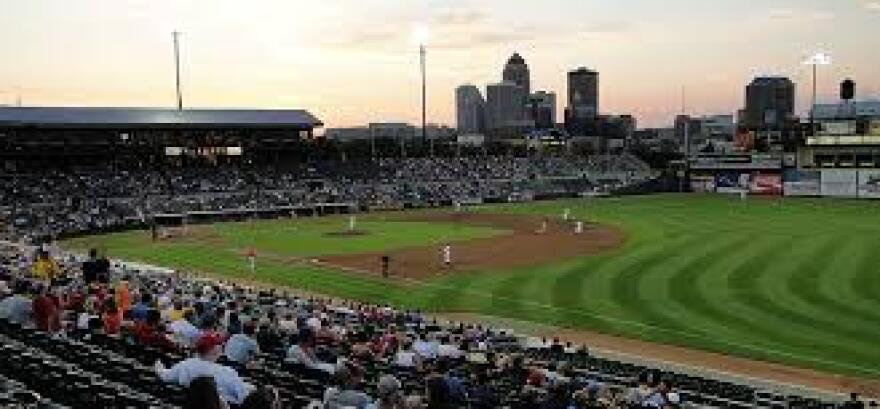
[[769, 102], [583, 94], [504, 106], [469, 110], [541, 109], [517, 71]]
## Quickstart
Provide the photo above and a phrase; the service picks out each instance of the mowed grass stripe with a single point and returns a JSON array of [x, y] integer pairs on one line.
[[684, 301], [770, 297], [837, 283], [811, 288], [864, 283]]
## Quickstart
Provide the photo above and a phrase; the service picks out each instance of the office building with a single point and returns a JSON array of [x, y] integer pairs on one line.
[[469, 110], [541, 109], [583, 94], [516, 71], [769, 103], [504, 108]]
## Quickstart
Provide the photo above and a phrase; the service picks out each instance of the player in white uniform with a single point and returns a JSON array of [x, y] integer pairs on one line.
[[566, 214], [352, 222], [446, 253], [578, 227]]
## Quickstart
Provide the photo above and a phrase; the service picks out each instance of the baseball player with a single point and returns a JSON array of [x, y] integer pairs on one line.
[[446, 254], [252, 259], [566, 214], [579, 227]]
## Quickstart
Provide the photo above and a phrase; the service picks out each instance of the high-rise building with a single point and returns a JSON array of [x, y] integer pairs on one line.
[[469, 110], [541, 109], [504, 106], [769, 103], [517, 71], [583, 94]]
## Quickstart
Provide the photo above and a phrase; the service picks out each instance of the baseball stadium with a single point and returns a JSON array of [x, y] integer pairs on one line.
[[148, 232]]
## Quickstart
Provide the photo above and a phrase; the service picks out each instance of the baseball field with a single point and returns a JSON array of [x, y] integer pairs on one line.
[[791, 281]]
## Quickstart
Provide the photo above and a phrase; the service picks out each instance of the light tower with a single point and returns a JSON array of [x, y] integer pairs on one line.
[[817, 59], [175, 35], [421, 36]]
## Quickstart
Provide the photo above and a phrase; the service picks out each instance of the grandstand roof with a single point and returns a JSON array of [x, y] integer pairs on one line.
[[90, 117]]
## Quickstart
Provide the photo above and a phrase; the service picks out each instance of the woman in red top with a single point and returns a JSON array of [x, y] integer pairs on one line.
[[150, 333], [112, 317], [47, 312]]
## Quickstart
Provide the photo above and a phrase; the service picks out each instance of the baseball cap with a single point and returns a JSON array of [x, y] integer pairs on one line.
[[209, 340]]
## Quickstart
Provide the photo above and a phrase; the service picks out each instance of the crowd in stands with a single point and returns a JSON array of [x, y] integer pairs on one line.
[[54, 202], [87, 332]]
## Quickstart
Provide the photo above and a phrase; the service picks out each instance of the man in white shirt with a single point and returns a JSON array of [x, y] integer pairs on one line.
[[183, 331], [230, 386], [426, 348]]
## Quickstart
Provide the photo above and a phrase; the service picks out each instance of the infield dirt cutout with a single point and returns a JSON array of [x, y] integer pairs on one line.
[[525, 243]]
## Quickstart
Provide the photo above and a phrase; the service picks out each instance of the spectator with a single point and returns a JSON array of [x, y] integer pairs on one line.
[[231, 387], [390, 394], [242, 348], [303, 352], [437, 393], [90, 267], [202, 394], [139, 312], [183, 331], [47, 311], [112, 317], [347, 393], [45, 268], [18, 309], [262, 398], [149, 332], [854, 402]]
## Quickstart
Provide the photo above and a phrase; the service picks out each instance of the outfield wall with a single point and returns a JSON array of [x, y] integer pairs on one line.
[[840, 183]]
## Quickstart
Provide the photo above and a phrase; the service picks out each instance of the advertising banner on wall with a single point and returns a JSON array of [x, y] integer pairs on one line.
[[764, 183], [869, 184], [840, 182], [802, 182], [732, 182], [703, 183]]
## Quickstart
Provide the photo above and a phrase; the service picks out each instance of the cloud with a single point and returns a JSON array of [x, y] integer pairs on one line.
[[799, 16], [458, 17]]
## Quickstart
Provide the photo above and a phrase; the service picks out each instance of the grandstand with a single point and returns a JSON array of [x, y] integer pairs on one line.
[[88, 333]]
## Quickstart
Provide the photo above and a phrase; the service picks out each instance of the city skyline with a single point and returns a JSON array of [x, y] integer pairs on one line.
[[356, 62]]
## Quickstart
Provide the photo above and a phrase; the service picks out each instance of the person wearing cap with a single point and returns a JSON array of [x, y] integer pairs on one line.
[[209, 348]]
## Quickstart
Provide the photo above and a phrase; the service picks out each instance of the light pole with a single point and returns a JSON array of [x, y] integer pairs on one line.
[[421, 37], [422, 54], [176, 35], [817, 59]]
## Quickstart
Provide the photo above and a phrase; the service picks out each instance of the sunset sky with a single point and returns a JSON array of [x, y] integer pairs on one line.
[[355, 61]]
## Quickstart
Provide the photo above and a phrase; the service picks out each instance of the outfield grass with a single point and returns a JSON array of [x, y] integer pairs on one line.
[[790, 281]]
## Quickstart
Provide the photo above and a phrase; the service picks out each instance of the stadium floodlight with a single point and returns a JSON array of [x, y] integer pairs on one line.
[[815, 60], [420, 35]]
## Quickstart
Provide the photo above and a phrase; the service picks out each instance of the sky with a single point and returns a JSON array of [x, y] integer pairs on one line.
[[352, 62]]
